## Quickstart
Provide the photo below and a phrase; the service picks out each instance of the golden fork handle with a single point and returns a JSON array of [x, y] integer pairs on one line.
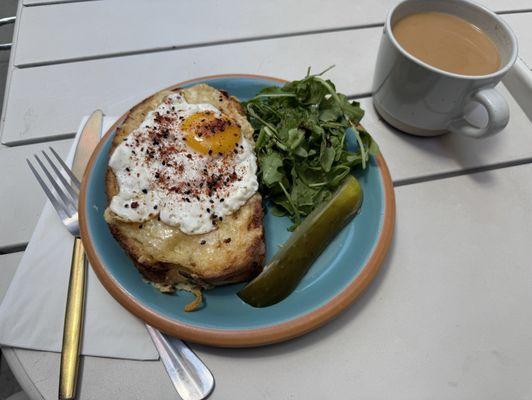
[[73, 324]]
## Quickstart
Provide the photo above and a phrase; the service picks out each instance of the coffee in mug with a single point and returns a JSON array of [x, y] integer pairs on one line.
[[447, 42]]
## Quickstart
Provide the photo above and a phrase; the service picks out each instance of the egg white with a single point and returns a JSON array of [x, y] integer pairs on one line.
[[143, 196]]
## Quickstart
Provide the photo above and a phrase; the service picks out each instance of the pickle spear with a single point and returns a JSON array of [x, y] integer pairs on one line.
[[286, 269]]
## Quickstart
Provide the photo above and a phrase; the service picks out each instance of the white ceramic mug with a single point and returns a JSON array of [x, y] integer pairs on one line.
[[420, 99]]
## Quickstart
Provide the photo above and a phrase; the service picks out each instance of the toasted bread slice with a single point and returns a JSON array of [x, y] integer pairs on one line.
[[234, 252]]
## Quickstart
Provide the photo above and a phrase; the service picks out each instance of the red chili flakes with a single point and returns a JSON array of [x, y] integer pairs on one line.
[[209, 128], [134, 204]]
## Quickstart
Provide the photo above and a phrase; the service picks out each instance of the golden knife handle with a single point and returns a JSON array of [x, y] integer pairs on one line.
[[73, 324]]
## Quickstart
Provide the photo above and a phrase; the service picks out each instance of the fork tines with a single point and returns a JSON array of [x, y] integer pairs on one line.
[[62, 194]]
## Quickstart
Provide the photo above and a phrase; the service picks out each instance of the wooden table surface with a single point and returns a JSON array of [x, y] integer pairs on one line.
[[448, 315]]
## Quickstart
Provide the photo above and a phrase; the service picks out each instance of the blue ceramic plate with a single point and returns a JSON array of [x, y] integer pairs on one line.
[[340, 273]]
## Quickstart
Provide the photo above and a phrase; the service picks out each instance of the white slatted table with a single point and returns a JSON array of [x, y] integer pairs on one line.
[[444, 319]]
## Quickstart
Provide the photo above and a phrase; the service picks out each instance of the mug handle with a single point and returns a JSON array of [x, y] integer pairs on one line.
[[498, 115]]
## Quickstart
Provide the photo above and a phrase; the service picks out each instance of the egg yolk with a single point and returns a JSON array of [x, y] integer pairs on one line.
[[207, 133]]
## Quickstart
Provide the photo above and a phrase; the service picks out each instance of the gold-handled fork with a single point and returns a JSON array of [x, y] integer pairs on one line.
[[191, 378], [64, 198]]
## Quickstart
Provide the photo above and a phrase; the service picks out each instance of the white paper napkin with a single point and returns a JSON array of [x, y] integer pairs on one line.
[[33, 309]]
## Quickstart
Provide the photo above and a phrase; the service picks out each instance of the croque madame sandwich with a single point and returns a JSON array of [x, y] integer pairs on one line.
[[182, 191]]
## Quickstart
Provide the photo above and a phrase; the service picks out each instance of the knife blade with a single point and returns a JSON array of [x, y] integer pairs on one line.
[[88, 139]]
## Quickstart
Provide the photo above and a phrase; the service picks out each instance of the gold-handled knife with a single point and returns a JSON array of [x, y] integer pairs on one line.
[[89, 137]]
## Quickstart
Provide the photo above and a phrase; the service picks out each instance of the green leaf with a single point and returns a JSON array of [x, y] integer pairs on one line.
[[352, 110], [261, 139], [270, 164], [337, 175], [352, 159], [308, 91], [374, 148], [301, 152], [326, 157], [295, 137], [303, 195], [330, 110]]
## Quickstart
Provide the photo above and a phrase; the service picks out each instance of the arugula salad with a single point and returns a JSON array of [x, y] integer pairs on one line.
[[300, 136]]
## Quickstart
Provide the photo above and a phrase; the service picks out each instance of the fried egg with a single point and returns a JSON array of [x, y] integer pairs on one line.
[[187, 164]]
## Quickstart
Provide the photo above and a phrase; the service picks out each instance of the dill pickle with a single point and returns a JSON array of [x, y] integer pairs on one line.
[[286, 269]]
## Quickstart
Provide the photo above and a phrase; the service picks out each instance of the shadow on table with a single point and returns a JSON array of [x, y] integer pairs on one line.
[[468, 153], [308, 340]]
